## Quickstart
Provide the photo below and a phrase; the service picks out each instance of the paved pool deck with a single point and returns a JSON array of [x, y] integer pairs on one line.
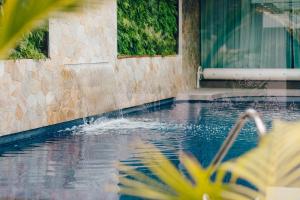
[[216, 93]]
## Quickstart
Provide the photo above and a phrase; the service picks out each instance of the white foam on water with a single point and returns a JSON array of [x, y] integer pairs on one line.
[[105, 125]]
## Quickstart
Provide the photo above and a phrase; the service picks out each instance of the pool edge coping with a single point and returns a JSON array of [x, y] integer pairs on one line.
[[54, 128], [210, 94], [201, 95]]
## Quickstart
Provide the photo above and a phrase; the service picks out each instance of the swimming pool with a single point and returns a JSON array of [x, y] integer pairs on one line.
[[79, 162]]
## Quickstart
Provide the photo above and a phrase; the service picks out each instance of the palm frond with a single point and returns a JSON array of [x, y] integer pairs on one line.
[[274, 163], [170, 183], [18, 17]]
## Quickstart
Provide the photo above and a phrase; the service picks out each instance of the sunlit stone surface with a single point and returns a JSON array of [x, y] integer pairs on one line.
[[83, 75]]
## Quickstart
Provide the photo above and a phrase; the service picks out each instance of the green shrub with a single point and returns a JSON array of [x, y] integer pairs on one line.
[[147, 27], [33, 46]]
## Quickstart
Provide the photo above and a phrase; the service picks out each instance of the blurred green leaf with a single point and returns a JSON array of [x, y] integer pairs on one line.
[[275, 162], [170, 183], [19, 17], [33, 46]]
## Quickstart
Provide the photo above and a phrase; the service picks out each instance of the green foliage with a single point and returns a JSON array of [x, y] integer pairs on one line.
[[33, 46], [19, 17], [273, 163], [147, 27]]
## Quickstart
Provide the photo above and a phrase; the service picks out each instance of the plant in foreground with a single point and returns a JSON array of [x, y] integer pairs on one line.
[[275, 162], [19, 17], [33, 46]]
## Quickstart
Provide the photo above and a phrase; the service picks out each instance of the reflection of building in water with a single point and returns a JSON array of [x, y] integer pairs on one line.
[[83, 165], [52, 170], [184, 112], [69, 153]]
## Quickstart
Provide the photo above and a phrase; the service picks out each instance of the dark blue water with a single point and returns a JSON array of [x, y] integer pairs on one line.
[[79, 163]]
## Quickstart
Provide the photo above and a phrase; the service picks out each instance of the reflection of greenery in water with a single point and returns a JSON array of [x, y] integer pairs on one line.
[[249, 35]]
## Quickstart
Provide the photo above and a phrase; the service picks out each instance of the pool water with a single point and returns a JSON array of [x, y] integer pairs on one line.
[[80, 162]]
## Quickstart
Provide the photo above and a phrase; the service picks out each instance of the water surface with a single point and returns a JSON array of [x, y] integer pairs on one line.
[[80, 162]]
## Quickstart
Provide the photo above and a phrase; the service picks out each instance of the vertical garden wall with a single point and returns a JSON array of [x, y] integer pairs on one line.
[[147, 27], [84, 76]]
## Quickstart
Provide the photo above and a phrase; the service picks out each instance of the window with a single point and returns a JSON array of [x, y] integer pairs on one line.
[[250, 34]]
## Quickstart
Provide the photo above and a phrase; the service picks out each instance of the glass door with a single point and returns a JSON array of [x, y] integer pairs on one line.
[[250, 34]]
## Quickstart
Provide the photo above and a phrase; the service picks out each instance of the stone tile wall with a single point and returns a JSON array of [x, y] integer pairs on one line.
[[84, 77]]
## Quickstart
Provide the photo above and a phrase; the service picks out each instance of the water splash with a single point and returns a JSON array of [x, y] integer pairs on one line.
[[107, 126]]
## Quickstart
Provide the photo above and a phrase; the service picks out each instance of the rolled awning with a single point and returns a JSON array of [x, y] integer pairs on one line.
[[251, 74]]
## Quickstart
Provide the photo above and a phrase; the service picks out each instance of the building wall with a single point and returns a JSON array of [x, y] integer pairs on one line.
[[83, 75], [190, 40]]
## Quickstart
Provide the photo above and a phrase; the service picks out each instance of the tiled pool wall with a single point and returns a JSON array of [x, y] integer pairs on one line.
[[84, 77], [59, 128]]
